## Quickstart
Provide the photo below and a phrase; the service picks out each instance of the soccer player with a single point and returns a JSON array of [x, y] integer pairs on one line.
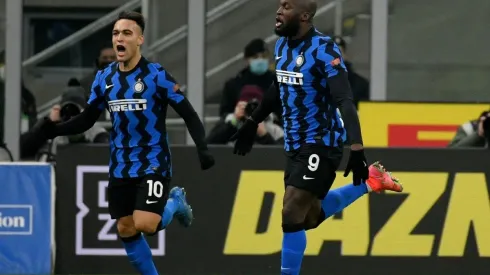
[[136, 92], [318, 114]]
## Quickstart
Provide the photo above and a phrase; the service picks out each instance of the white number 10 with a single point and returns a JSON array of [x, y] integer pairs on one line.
[[313, 162], [155, 188]]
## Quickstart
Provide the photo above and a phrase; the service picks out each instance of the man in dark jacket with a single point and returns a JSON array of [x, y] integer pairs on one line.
[[358, 84], [256, 73], [106, 57], [268, 133], [473, 134]]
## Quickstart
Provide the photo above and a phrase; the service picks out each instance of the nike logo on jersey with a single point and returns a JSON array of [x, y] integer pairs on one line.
[[108, 86], [291, 78], [307, 178], [278, 57], [150, 202]]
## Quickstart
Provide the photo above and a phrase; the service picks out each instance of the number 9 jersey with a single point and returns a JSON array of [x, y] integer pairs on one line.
[[303, 69]]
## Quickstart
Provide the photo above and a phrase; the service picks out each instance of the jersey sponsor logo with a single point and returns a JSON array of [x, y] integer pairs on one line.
[[127, 105], [96, 232], [16, 219], [463, 221], [290, 78]]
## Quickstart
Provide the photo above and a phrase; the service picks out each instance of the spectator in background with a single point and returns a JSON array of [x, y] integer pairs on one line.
[[267, 133], [107, 56], [359, 84], [72, 103], [474, 133], [28, 103], [257, 74]]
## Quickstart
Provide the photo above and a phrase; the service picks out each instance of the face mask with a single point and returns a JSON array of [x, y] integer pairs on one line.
[[259, 66]]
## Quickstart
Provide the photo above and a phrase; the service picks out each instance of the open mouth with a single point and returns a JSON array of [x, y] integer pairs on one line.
[[278, 22], [120, 48]]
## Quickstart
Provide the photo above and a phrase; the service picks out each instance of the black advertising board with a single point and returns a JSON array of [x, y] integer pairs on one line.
[[439, 225]]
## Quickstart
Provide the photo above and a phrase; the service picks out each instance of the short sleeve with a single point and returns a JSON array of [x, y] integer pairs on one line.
[[96, 97], [170, 87], [333, 63]]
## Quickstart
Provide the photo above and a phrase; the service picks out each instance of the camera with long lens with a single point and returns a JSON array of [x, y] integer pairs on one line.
[[69, 110], [251, 106], [486, 129]]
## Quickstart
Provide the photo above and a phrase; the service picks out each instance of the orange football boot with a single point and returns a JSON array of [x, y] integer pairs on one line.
[[380, 179]]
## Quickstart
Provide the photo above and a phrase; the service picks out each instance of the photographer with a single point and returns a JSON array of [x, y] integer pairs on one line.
[[268, 132], [475, 133], [72, 103]]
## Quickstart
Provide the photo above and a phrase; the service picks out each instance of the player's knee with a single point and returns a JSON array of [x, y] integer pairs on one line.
[[125, 227], [149, 228], [292, 213]]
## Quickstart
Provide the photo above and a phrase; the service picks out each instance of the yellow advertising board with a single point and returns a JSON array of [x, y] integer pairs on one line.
[[388, 124]]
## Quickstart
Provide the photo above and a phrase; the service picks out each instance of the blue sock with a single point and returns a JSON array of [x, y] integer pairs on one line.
[[293, 249], [168, 213], [139, 254], [338, 199]]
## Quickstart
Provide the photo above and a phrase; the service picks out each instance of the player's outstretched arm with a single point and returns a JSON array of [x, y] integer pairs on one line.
[[185, 110], [80, 123], [341, 93], [269, 103], [245, 136]]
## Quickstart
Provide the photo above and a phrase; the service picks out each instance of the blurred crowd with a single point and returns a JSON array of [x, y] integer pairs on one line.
[[241, 94]]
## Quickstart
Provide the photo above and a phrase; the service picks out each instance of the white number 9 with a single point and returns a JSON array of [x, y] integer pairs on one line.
[[313, 162]]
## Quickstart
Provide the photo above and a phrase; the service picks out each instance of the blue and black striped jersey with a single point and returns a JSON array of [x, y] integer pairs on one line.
[[137, 101], [310, 114]]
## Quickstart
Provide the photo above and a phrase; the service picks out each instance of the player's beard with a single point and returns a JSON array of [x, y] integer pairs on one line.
[[289, 29]]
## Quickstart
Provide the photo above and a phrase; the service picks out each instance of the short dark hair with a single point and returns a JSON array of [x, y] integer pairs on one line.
[[134, 16]]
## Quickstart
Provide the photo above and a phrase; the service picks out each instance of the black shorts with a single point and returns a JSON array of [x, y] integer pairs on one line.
[[312, 167], [148, 193]]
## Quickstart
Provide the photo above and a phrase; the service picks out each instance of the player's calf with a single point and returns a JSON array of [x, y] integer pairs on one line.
[[136, 247], [296, 204], [338, 199]]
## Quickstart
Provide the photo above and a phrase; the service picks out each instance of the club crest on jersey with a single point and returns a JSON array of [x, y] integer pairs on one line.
[[300, 60], [139, 86]]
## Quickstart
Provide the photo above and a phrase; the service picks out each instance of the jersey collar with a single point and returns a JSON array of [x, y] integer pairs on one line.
[[294, 43]]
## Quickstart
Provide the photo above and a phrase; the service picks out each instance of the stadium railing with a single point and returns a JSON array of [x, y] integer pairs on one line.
[[163, 43]]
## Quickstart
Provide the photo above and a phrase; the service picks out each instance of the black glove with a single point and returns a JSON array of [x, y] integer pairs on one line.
[[245, 138], [358, 165], [206, 159], [46, 128]]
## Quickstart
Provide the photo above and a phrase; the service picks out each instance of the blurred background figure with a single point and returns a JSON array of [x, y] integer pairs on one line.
[[358, 84], [474, 133], [107, 56], [72, 102], [268, 133], [256, 73]]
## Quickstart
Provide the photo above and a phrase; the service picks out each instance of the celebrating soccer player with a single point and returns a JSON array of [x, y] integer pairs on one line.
[[312, 86], [136, 92]]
